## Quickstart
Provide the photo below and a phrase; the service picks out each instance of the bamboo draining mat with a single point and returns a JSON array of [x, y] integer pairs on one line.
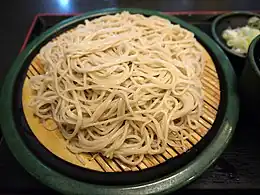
[[55, 143]]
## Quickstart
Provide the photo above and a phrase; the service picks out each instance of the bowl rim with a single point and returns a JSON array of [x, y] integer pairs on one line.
[[223, 16], [169, 183], [251, 56]]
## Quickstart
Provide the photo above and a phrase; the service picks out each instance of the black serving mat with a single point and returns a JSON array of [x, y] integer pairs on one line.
[[237, 168]]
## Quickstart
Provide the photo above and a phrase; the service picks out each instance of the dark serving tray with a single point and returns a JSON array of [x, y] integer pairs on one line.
[[237, 168]]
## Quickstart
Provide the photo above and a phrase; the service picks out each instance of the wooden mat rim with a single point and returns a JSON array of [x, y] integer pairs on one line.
[[35, 69]]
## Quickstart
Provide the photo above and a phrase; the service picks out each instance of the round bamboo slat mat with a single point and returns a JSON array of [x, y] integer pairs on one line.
[[55, 143]]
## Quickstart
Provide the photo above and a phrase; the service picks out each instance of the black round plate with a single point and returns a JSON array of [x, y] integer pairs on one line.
[[70, 179]]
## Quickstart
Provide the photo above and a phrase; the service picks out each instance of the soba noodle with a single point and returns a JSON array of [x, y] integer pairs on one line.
[[122, 85]]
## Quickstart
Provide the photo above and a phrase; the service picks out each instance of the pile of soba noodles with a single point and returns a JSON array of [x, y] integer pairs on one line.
[[121, 85]]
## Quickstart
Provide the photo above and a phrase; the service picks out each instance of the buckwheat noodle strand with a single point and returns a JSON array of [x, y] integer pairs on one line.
[[122, 85]]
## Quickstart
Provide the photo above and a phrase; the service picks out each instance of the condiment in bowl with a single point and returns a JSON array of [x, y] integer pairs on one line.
[[235, 31]]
